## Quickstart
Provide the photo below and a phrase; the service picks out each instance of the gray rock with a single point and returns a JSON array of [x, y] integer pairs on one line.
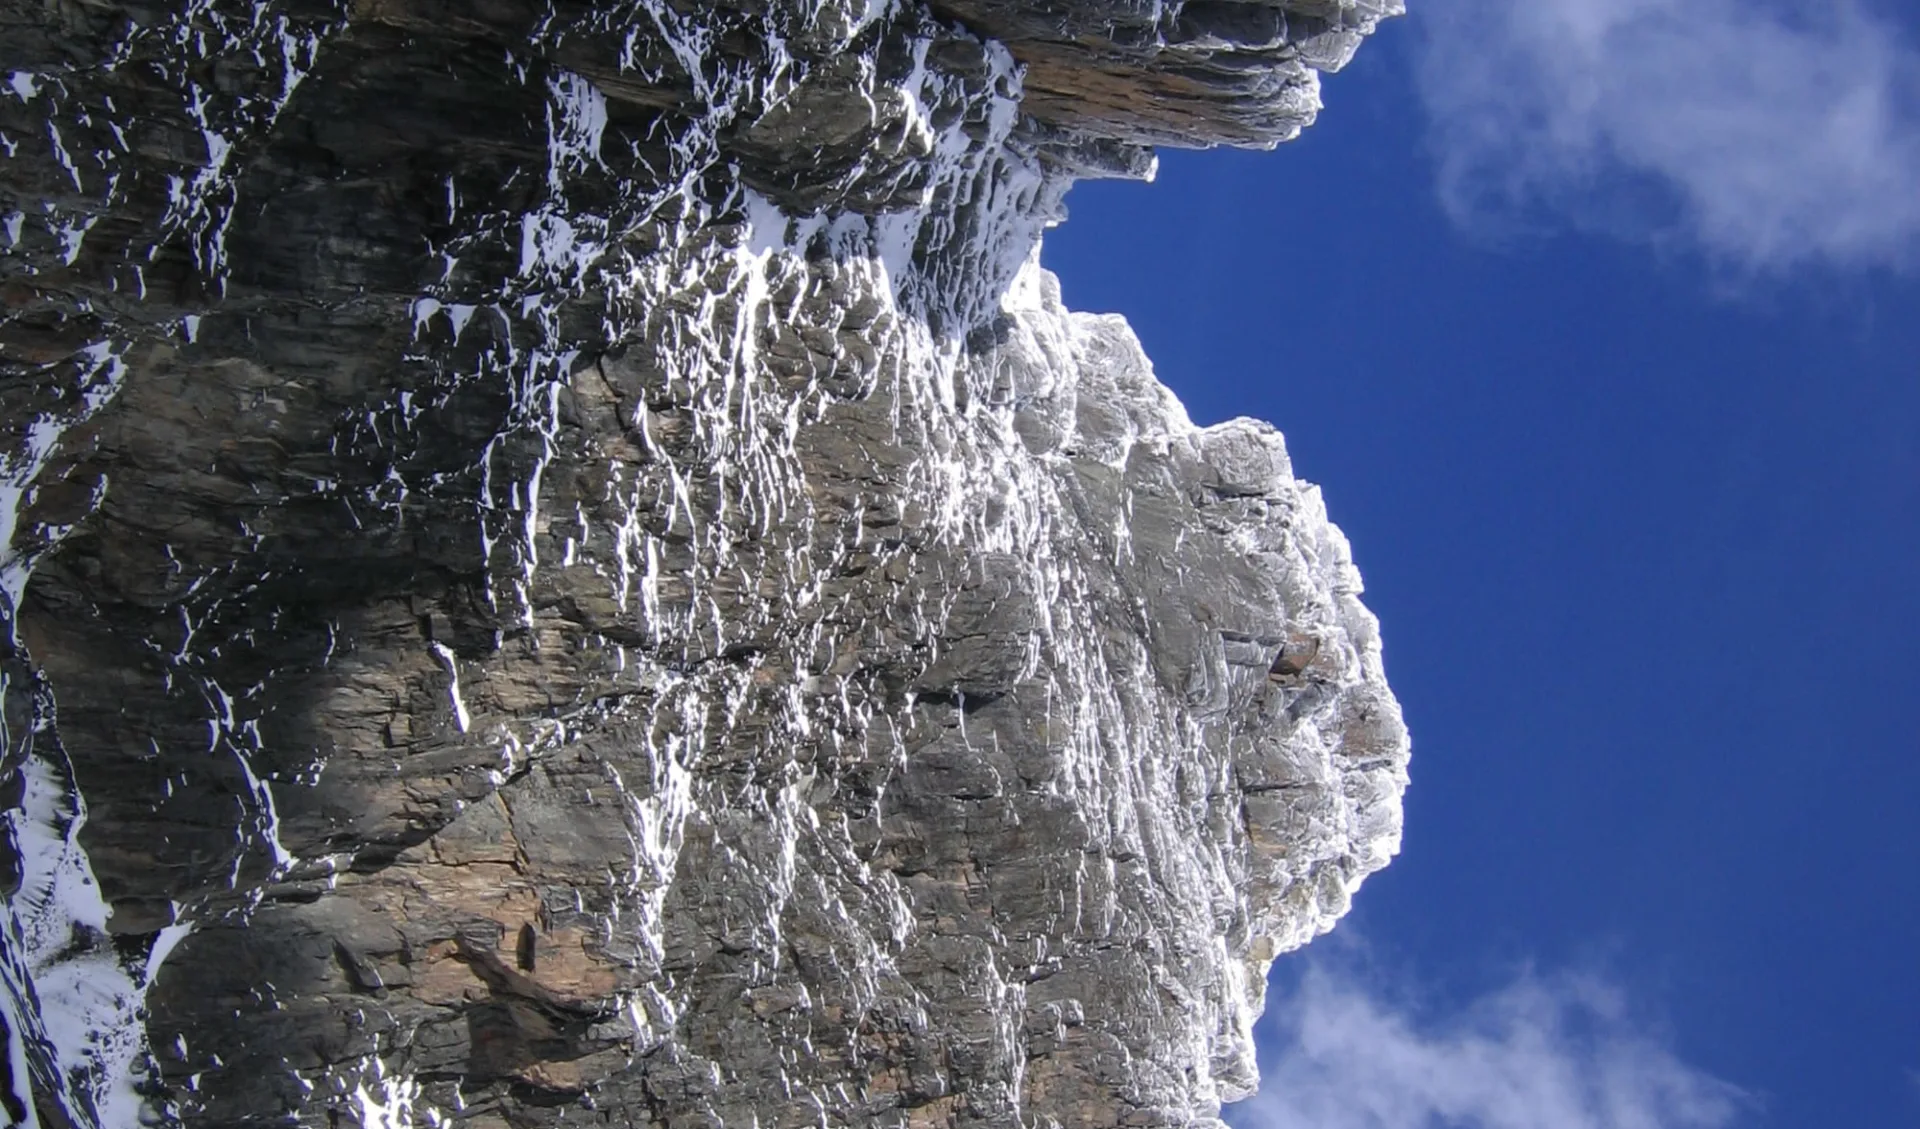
[[564, 564]]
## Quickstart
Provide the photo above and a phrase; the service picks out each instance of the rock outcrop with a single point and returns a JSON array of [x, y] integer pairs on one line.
[[564, 564]]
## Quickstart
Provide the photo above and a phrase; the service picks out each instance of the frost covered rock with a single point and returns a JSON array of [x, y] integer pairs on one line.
[[565, 564]]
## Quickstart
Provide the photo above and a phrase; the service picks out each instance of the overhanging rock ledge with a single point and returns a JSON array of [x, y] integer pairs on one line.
[[562, 563]]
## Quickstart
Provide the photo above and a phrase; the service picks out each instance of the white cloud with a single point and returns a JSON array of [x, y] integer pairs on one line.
[[1542, 1054], [1776, 137]]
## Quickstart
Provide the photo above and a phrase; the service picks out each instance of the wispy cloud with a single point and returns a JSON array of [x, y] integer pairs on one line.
[[1771, 136], [1559, 1053]]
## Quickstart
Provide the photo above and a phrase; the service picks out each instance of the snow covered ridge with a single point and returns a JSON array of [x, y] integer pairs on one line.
[[565, 561]]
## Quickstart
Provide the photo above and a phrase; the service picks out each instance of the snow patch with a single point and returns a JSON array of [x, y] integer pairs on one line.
[[65, 987], [380, 1102], [576, 122], [447, 659]]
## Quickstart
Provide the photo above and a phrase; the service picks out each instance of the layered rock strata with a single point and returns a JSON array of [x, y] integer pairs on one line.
[[564, 564]]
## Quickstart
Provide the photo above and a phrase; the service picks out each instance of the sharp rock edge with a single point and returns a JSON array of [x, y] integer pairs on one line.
[[564, 564]]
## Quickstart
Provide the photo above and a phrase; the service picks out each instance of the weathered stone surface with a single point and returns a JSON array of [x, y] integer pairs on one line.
[[1203, 72], [564, 565]]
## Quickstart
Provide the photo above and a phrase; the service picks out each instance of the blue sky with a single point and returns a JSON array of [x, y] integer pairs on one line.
[[1599, 322]]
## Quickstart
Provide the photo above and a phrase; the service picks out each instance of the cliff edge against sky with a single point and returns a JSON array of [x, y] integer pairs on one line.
[[565, 565]]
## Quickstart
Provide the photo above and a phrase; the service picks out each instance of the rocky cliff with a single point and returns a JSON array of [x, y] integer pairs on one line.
[[563, 564]]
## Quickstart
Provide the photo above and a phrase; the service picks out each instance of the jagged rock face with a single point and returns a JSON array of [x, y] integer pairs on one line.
[[566, 566], [1242, 72]]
